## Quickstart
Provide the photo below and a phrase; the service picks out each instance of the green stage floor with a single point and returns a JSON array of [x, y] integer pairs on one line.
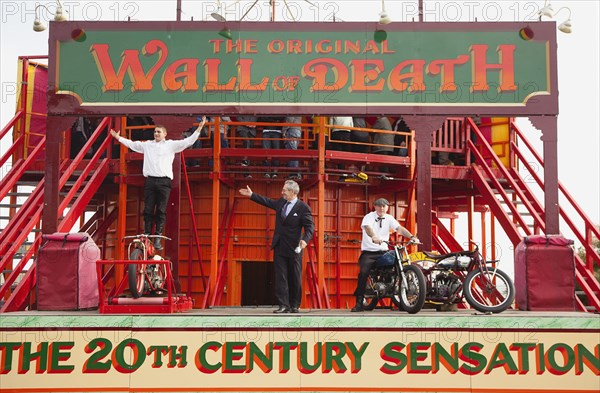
[[263, 316]]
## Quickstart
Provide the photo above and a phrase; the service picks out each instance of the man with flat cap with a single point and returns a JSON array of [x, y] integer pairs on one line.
[[376, 227]]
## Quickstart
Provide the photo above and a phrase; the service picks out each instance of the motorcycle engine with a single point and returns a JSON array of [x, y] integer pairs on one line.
[[155, 278], [380, 287], [382, 281], [446, 284]]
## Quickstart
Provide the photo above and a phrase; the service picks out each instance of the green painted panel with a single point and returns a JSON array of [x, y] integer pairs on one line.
[[302, 68]]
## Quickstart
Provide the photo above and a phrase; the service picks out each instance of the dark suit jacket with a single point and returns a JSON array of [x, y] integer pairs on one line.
[[288, 232]]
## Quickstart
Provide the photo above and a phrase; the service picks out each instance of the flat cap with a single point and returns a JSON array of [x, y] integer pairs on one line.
[[381, 202]]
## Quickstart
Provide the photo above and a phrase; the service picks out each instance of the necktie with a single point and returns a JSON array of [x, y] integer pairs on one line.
[[284, 210], [379, 219]]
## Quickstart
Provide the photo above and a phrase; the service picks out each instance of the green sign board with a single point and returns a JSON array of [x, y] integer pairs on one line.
[[339, 66]]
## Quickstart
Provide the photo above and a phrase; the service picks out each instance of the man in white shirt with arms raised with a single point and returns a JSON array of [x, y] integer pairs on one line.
[[376, 228], [158, 171]]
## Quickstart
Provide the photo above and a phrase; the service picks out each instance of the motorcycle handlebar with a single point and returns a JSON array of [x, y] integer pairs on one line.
[[408, 243], [148, 236]]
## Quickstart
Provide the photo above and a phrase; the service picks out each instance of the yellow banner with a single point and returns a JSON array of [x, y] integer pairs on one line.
[[347, 359]]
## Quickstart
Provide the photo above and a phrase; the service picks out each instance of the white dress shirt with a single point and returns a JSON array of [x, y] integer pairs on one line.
[[290, 205], [382, 229], [159, 156]]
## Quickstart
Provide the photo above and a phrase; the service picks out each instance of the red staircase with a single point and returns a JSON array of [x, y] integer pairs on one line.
[[19, 273], [520, 213]]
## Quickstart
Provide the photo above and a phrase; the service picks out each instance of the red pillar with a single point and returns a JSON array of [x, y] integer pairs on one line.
[[548, 126], [55, 125], [424, 127]]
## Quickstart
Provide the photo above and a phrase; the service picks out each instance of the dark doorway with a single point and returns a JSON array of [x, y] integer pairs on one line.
[[258, 284]]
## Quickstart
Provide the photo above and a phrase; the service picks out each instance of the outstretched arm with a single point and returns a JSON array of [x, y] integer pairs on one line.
[[182, 144], [133, 145]]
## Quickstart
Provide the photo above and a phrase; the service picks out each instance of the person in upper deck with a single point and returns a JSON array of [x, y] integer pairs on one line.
[[272, 135], [292, 135]]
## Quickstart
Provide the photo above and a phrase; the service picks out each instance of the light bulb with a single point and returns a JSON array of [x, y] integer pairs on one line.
[[38, 25], [566, 27], [384, 19]]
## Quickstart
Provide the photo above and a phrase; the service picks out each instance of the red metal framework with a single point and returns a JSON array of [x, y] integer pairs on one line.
[[214, 298], [484, 176], [318, 300], [194, 228], [496, 186]]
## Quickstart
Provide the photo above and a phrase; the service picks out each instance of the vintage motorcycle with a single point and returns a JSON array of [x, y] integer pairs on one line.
[[145, 278], [393, 276], [464, 274]]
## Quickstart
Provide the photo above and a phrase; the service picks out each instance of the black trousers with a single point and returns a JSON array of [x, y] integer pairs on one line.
[[340, 136], [365, 261], [288, 279], [156, 196]]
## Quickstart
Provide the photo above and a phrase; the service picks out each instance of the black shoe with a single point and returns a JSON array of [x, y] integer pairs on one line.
[[157, 244], [281, 310], [359, 304], [294, 310]]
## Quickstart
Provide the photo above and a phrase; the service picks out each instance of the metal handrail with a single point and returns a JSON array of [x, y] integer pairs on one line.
[[588, 222], [15, 143], [486, 146], [306, 142], [10, 181]]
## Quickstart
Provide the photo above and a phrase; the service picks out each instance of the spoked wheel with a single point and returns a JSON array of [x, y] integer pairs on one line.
[[136, 273], [487, 292], [412, 297], [396, 296]]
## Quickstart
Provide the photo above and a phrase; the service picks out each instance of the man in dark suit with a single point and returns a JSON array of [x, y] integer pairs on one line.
[[288, 242]]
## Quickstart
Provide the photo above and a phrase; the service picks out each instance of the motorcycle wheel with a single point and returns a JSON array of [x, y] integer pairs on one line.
[[487, 296], [396, 296], [412, 299], [136, 274]]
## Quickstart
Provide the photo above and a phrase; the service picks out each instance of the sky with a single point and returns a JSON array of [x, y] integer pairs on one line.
[[578, 56]]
